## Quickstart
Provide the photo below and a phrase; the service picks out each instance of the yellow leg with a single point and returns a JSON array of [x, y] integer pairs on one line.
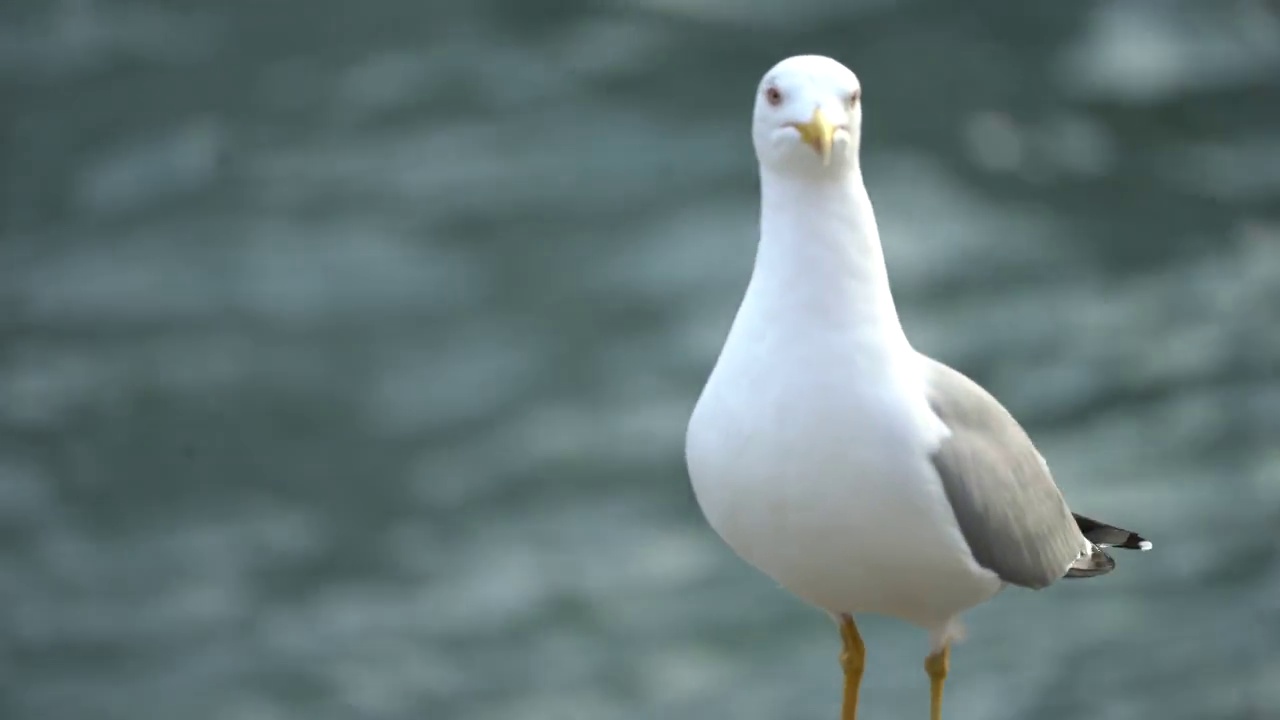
[[937, 665], [853, 658]]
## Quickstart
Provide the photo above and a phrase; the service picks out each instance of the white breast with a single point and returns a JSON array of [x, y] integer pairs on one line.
[[809, 456]]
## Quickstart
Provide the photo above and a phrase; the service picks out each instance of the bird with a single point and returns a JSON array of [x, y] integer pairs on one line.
[[858, 473]]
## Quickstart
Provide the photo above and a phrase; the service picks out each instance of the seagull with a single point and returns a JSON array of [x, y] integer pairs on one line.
[[858, 473]]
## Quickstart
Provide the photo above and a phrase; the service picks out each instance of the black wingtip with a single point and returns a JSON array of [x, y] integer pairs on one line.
[[1105, 535]]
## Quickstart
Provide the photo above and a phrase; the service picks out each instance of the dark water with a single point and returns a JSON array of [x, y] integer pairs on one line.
[[347, 350]]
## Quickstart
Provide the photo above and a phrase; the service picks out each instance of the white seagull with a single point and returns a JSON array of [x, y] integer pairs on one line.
[[860, 474]]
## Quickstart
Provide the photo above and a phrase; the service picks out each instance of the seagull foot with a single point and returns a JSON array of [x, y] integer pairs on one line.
[[937, 665], [853, 658]]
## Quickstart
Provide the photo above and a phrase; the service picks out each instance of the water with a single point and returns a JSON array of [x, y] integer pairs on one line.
[[347, 350]]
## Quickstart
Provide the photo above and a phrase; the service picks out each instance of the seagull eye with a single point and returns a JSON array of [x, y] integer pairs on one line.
[[774, 96], [855, 96]]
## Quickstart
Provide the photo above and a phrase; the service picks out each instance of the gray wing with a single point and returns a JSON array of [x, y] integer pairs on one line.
[[1010, 511]]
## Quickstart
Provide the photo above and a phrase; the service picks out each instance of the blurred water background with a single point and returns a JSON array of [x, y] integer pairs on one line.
[[347, 350]]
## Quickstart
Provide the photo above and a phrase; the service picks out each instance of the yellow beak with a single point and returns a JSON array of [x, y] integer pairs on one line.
[[818, 134]]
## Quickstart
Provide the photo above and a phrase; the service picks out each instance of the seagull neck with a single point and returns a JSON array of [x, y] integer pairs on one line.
[[820, 254]]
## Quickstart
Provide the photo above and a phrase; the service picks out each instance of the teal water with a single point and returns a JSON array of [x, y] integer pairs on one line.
[[346, 350]]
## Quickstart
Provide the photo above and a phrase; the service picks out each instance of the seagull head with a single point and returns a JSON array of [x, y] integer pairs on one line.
[[808, 117]]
